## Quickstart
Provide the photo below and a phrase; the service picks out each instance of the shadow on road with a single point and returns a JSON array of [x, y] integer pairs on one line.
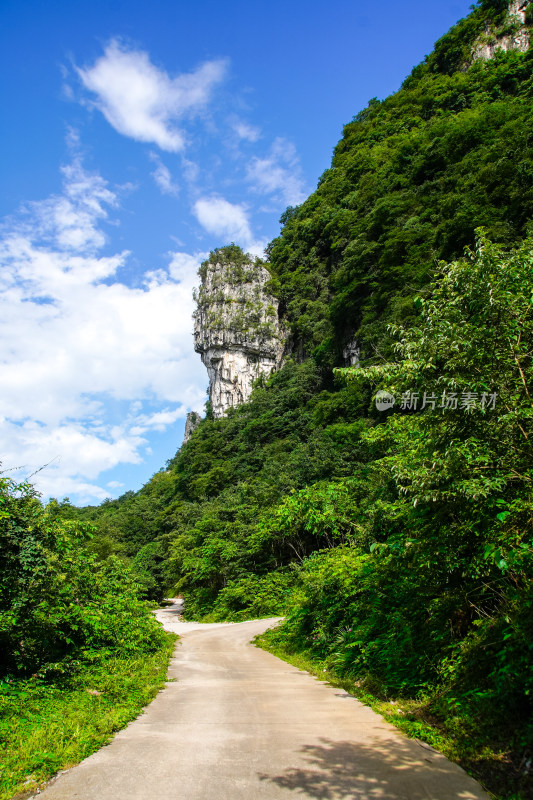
[[353, 772], [172, 606]]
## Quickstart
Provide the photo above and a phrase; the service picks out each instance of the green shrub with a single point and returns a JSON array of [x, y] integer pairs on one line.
[[58, 603], [253, 596]]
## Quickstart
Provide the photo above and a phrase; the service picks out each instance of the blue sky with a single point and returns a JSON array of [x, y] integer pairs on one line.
[[136, 137]]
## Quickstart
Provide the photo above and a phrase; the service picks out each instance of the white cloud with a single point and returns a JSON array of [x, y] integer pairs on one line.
[[223, 218], [158, 421], [162, 176], [70, 219], [279, 173], [228, 220], [144, 102], [245, 131], [75, 343], [183, 266]]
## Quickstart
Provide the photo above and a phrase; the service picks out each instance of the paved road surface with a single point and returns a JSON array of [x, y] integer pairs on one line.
[[239, 724]]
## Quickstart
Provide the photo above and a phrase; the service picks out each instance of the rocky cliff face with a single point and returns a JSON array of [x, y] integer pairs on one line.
[[236, 327], [515, 34], [191, 423]]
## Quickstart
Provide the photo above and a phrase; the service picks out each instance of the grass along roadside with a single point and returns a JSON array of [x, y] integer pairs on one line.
[[45, 728], [492, 767]]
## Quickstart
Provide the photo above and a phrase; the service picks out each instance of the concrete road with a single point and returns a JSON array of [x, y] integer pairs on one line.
[[239, 724]]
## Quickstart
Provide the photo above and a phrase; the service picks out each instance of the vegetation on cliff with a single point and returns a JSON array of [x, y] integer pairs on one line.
[[411, 179]]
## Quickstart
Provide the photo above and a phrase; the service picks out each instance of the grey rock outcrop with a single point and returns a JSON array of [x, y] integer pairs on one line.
[[191, 423], [236, 327], [518, 39]]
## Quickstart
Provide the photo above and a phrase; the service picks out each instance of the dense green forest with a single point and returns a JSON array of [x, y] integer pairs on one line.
[[397, 543]]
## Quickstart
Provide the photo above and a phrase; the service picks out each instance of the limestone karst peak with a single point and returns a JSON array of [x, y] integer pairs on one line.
[[236, 326]]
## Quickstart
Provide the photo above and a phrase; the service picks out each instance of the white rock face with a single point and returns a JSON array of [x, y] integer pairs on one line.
[[191, 423], [518, 9], [236, 329], [519, 40]]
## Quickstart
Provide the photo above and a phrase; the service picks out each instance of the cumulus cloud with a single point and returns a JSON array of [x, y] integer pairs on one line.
[[76, 343], [278, 173], [69, 219], [144, 102], [227, 220], [223, 218], [162, 176], [183, 266]]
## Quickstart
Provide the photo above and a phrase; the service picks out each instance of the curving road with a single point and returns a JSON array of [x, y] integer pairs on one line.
[[239, 724]]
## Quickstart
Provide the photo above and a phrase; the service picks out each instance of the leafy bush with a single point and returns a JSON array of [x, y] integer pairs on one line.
[[148, 566], [58, 603], [441, 602], [251, 597]]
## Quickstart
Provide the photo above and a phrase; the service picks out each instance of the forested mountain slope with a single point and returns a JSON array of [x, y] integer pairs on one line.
[[399, 543], [410, 180]]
